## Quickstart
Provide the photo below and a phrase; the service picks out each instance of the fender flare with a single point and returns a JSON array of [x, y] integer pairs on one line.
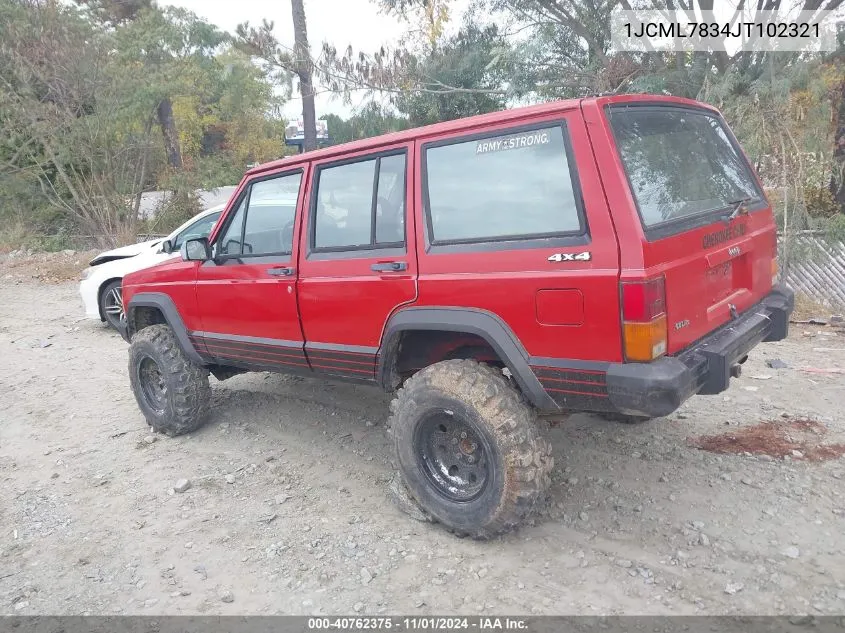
[[482, 323], [166, 306]]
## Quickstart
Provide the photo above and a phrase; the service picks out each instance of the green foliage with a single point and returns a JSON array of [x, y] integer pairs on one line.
[[79, 131], [781, 106], [235, 119], [836, 228], [820, 202], [65, 120], [457, 70], [372, 120]]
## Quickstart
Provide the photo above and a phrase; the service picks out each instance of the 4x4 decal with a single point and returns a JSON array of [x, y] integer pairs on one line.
[[571, 257]]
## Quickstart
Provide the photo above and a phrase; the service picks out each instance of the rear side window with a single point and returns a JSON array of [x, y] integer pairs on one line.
[[360, 205], [681, 163], [344, 205], [511, 186]]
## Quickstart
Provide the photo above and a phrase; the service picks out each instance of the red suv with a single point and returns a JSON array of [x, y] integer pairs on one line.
[[612, 254]]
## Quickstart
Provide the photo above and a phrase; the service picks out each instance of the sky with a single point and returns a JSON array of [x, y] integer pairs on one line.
[[340, 22]]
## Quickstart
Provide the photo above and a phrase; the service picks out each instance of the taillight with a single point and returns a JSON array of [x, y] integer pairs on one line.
[[644, 319], [643, 300]]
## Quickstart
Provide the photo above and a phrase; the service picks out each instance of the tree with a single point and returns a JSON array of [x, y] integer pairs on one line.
[[431, 77], [175, 51], [302, 68], [284, 62], [430, 15], [83, 95], [115, 12], [372, 120], [66, 117], [563, 48], [235, 122], [461, 63]]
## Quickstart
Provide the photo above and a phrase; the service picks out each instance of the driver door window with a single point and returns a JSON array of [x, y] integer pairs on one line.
[[263, 223], [230, 244]]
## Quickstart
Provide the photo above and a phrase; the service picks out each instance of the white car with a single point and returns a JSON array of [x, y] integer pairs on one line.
[[101, 281]]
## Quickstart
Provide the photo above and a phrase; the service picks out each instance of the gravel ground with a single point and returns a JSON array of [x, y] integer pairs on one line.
[[286, 509]]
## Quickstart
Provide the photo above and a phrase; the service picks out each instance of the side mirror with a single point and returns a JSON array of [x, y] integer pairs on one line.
[[167, 247], [196, 250]]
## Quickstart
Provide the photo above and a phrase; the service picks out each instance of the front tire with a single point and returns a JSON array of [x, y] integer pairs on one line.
[[111, 304], [469, 449], [172, 392]]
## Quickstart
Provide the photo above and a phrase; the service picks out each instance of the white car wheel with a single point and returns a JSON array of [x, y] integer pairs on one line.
[[111, 304]]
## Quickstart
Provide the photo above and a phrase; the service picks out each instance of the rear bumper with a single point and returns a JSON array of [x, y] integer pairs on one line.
[[658, 388]]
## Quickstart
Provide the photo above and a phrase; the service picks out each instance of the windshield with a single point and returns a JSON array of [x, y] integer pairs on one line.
[[680, 163]]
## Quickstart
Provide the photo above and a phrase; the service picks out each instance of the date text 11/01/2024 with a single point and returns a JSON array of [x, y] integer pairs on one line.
[[720, 30], [432, 623]]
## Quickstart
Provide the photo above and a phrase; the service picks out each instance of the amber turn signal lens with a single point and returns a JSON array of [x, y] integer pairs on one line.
[[645, 341]]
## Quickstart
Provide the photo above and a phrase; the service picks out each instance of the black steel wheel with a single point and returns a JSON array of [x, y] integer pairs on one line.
[[153, 385], [452, 455]]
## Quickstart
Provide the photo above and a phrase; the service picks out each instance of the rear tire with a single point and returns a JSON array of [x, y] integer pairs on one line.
[[172, 392], [469, 448]]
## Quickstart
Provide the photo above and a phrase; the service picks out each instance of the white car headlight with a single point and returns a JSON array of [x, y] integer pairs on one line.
[[86, 273]]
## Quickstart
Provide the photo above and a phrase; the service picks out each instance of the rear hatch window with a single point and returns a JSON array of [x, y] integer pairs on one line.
[[709, 229], [682, 166]]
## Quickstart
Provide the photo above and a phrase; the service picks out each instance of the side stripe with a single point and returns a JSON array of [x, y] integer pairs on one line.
[[279, 355], [574, 388]]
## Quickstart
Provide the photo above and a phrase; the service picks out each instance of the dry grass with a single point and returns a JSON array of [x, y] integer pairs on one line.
[[47, 267], [776, 439], [807, 308]]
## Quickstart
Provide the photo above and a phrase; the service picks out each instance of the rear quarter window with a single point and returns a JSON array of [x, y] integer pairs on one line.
[[508, 186]]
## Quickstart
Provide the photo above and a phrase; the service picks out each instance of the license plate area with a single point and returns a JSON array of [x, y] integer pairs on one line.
[[728, 269], [720, 281]]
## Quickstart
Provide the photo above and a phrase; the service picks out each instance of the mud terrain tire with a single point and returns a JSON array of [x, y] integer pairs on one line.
[[172, 392], [462, 405]]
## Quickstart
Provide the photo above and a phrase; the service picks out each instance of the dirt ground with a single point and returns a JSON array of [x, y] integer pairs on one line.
[[288, 510]]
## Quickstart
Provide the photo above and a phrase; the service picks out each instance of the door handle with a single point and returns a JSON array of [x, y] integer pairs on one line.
[[390, 267], [281, 271]]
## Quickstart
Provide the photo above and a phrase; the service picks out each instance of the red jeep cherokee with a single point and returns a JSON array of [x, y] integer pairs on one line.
[[613, 254]]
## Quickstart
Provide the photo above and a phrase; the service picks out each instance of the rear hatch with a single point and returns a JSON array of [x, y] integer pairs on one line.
[[709, 229]]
